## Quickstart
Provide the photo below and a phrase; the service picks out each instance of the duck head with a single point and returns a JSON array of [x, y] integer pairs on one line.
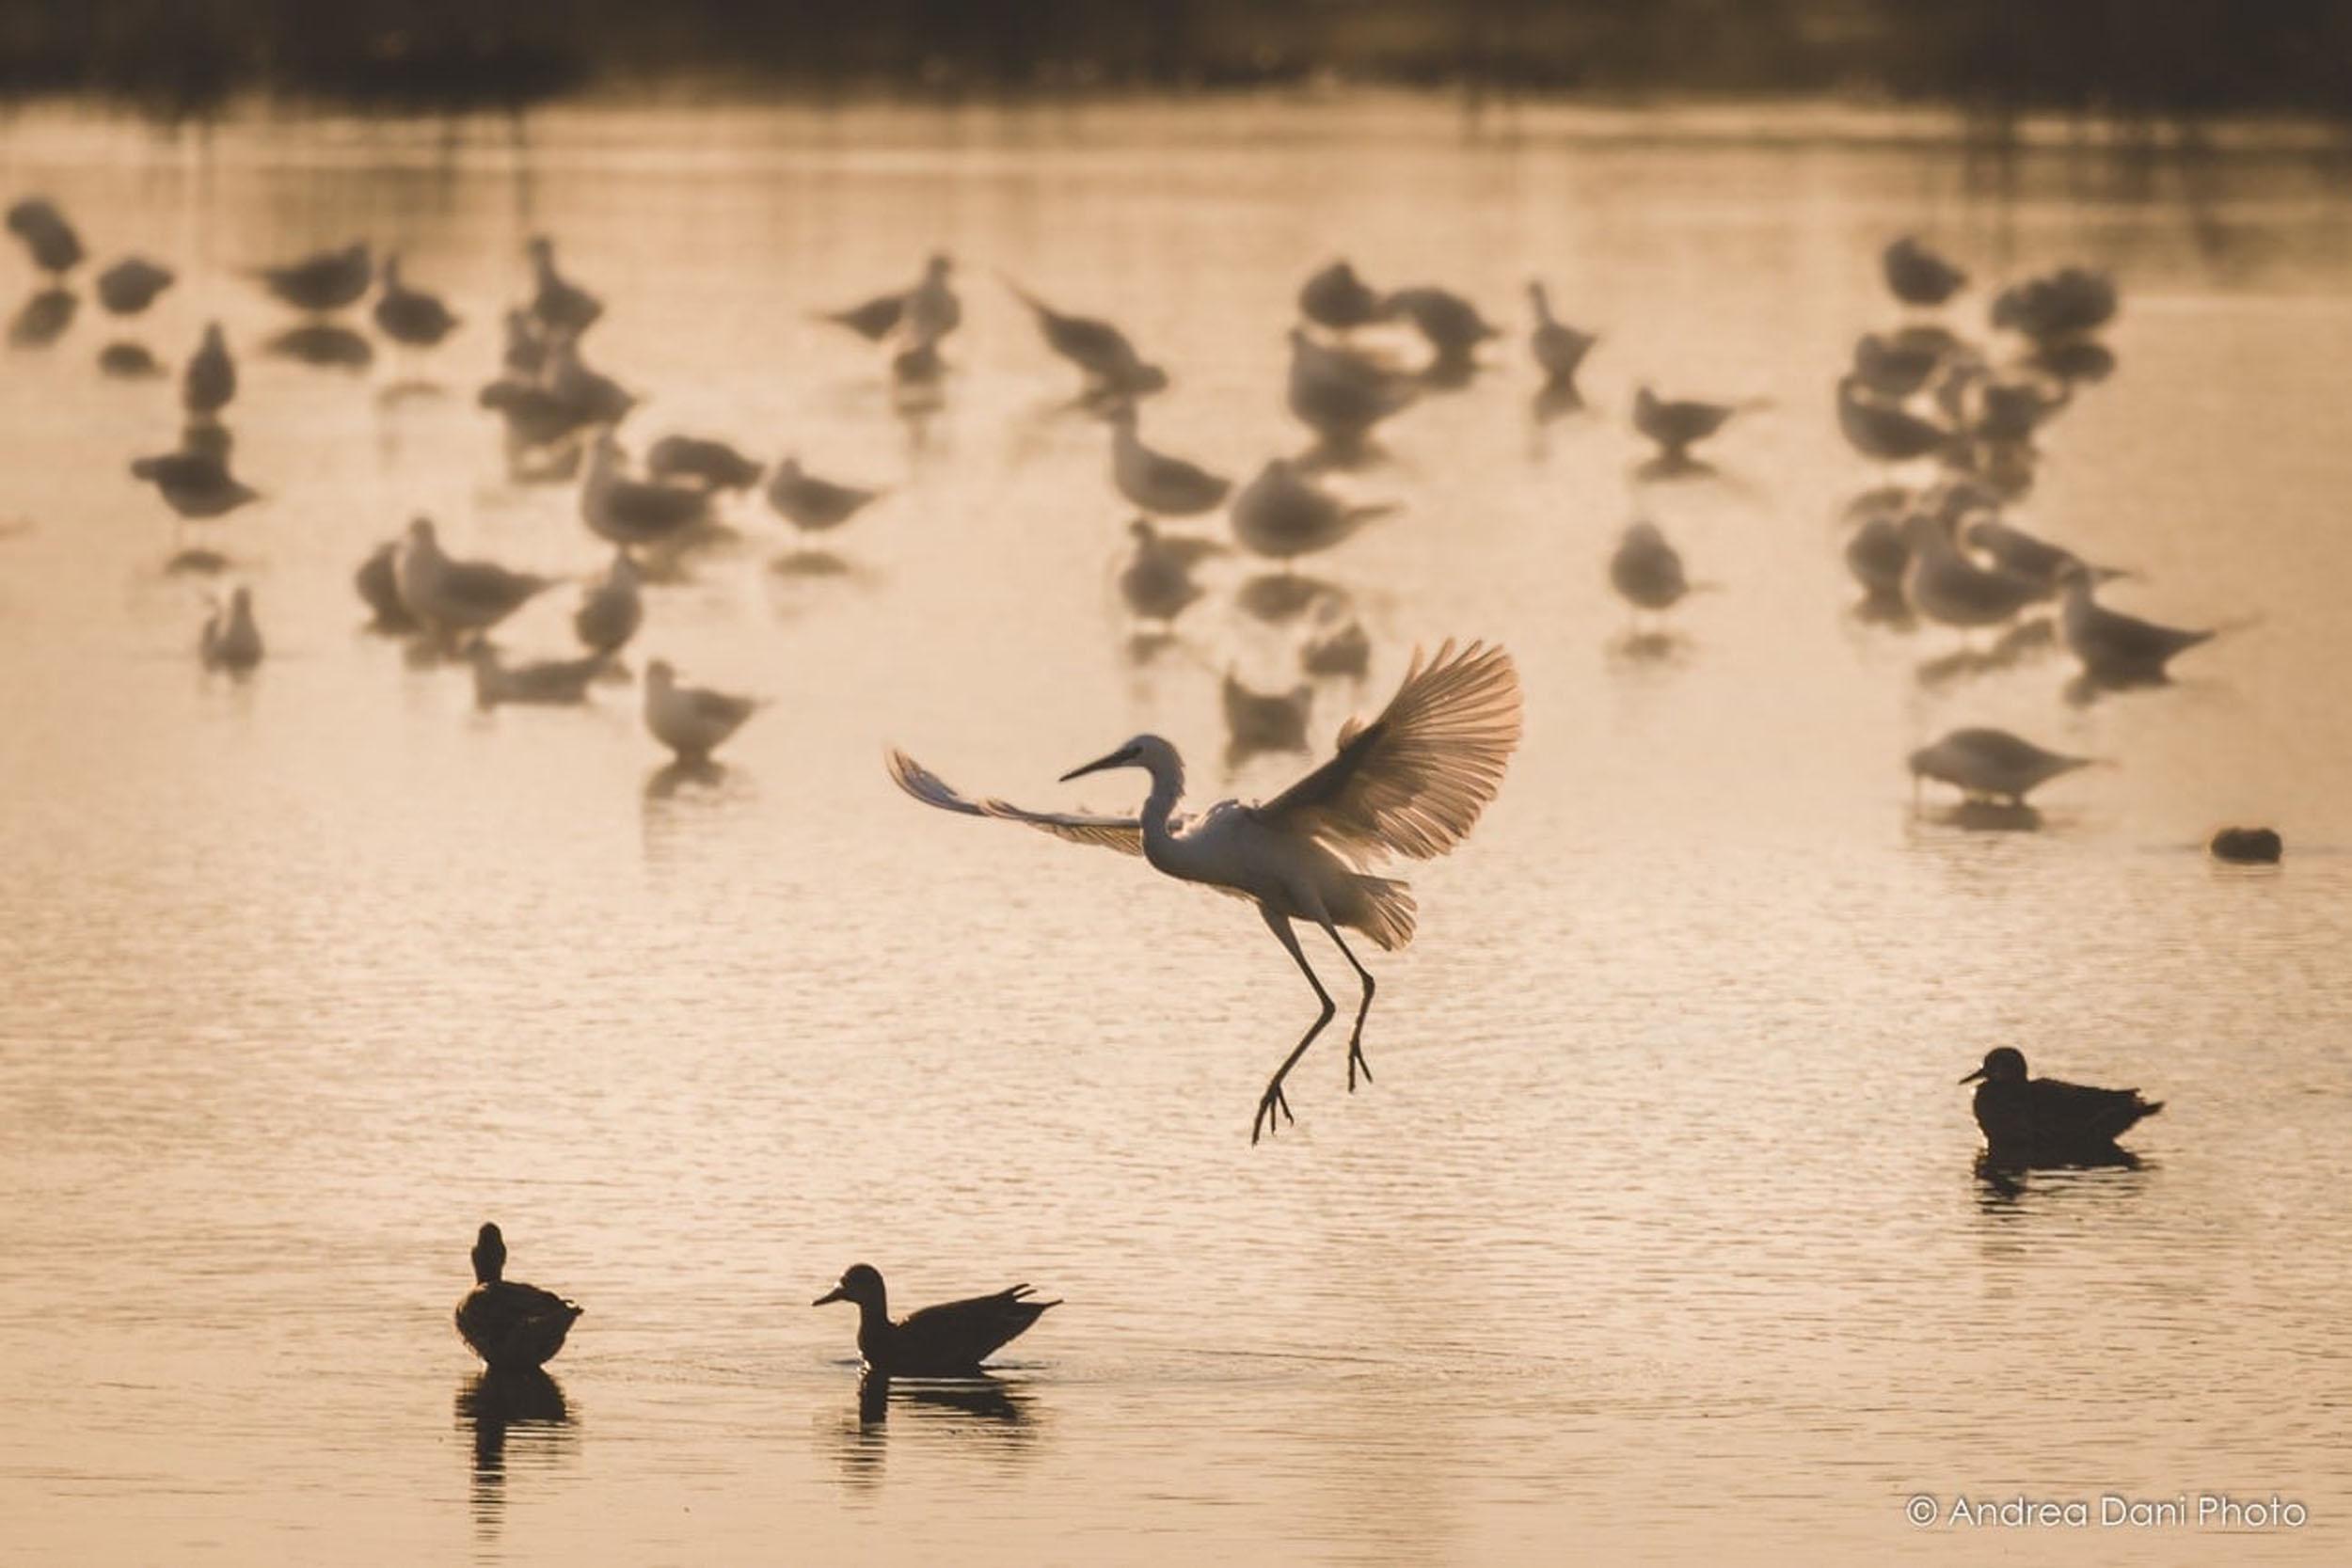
[[2002, 1065], [861, 1283], [489, 1256]]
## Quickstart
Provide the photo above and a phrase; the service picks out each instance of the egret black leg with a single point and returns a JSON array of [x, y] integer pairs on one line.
[[1272, 1101], [1363, 1009]]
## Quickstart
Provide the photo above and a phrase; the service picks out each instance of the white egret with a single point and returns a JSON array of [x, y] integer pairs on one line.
[[1410, 783]]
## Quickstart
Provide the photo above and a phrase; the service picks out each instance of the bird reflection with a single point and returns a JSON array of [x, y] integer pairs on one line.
[[1556, 399], [685, 773], [1890, 610], [528, 1405], [1986, 816], [811, 563], [1670, 465], [127, 360], [1658, 648], [42, 319], [2013, 647], [323, 345], [1286, 595], [2005, 1178], [984, 1414]]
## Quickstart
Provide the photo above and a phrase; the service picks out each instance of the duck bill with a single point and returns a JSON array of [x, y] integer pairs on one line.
[[832, 1295], [1116, 759], [1974, 1076]]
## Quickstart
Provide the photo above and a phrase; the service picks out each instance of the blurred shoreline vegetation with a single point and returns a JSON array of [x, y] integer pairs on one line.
[[2179, 62]]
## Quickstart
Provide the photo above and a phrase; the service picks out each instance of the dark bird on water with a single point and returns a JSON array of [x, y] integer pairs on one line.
[[512, 1326], [2044, 1120], [946, 1340], [1917, 276], [326, 280], [131, 285]]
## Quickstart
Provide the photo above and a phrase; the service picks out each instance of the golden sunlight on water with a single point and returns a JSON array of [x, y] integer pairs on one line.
[[1659, 1235]]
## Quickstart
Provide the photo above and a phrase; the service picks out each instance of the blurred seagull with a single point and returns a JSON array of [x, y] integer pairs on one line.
[[1282, 514], [611, 609], [1258, 721], [1646, 571], [1102, 352], [563, 308], [1893, 367], [196, 485], [1878, 555], [932, 311], [1886, 431], [1947, 587], [231, 640], [458, 599], [554, 682], [593, 397], [1156, 582], [1917, 276], [1341, 395], [2013, 549], [1988, 764], [131, 285], [326, 280], [2060, 306], [49, 239], [1411, 783], [627, 511], [691, 720], [1559, 348], [410, 317], [1448, 323], [377, 585], [1337, 298], [208, 382], [1345, 651], [1155, 481], [1678, 424], [2115, 647], [713, 465], [815, 504]]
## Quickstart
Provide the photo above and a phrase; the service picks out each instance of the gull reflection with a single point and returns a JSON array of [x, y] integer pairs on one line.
[[1286, 595], [686, 774], [2020, 643], [322, 345], [526, 1408], [2005, 1181], [127, 360], [42, 319]]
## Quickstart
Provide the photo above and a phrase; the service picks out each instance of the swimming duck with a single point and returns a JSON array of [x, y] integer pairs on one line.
[[946, 1340], [2043, 1119], [2248, 846], [512, 1326]]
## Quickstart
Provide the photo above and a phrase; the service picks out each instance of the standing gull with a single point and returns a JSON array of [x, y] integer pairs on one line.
[[1336, 297], [1991, 763], [1341, 395], [326, 280], [627, 511], [1646, 571], [611, 609], [232, 639], [457, 598], [1155, 481], [131, 285], [813, 504], [1282, 514], [1410, 783], [410, 317], [1101, 351], [1559, 348], [1156, 582], [691, 720], [2115, 647], [1677, 424]]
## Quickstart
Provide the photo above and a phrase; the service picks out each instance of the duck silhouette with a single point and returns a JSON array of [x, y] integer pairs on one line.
[[512, 1326], [2045, 1121], [946, 1340]]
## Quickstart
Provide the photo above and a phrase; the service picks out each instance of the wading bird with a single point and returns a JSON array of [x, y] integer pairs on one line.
[[946, 1340], [231, 640], [511, 1325], [691, 720], [1559, 348], [1989, 764], [1410, 783]]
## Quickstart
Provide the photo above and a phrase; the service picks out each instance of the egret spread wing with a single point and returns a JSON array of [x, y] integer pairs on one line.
[[1123, 833], [1414, 780]]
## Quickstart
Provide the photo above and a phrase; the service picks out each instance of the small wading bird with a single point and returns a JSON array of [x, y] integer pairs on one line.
[[946, 1340], [512, 1326], [2043, 1120], [691, 720], [1411, 783], [1989, 764]]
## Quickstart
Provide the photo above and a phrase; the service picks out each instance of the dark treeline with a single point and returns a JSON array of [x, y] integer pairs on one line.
[[2124, 56]]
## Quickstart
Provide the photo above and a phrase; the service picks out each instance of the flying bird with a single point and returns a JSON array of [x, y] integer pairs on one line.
[[947, 1340], [1410, 783]]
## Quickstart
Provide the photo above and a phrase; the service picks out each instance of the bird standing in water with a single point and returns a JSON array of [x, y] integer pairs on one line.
[[946, 1340], [1410, 783]]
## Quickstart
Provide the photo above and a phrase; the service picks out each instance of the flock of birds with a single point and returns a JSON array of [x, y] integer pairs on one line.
[[1410, 783]]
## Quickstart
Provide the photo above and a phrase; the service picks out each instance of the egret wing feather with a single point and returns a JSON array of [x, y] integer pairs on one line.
[[1123, 833], [1413, 781]]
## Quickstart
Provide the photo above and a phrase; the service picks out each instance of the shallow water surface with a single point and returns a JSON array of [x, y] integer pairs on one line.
[[1659, 1235]]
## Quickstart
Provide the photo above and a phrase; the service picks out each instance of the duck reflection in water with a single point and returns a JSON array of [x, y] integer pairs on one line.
[[980, 1414], [323, 345], [528, 1405], [685, 774]]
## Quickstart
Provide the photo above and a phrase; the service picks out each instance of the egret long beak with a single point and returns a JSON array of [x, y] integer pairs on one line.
[[833, 1294], [1974, 1076], [1116, 759]]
